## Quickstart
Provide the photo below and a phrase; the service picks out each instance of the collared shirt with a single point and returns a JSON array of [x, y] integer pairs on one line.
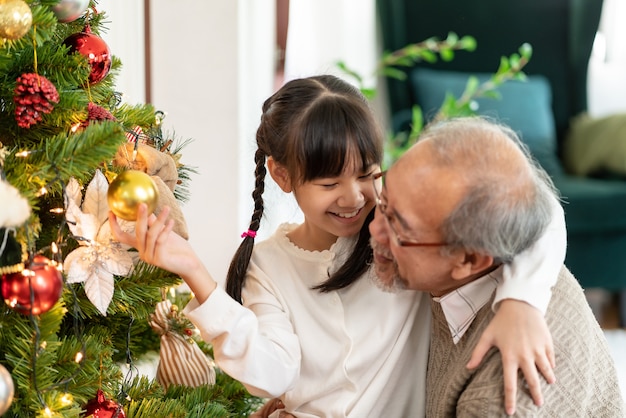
[[461, 305]]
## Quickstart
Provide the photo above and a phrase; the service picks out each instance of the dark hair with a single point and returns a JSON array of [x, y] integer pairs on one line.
[[312, 126]]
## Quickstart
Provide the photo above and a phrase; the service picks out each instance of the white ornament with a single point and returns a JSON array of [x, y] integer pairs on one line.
[[14, 210], [99, 258]]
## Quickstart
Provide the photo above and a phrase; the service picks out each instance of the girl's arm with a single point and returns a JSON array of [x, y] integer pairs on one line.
[[267, 362], [519, 329]]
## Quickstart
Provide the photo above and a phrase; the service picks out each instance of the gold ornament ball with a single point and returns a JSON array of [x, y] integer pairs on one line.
[[15, 19], [128, 190]]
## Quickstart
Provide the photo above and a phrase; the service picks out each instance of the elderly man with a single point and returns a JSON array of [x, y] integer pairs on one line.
[[471, 196]]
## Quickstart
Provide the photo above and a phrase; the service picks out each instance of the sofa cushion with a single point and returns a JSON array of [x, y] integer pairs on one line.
[[525, 106], [596, 145]]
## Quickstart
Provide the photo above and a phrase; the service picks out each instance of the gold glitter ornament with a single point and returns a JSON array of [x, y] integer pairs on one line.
[[16, 19], [128, 190]]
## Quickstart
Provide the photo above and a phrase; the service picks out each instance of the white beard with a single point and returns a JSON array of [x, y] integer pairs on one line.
[[394, 283]]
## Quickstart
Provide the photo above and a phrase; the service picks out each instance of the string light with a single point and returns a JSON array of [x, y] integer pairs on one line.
[[66, 399], [42, 191], [79, 357], [75, 127], [23, 154]]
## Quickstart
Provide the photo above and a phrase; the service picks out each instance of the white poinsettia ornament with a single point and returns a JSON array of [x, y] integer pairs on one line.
[[99, 258]]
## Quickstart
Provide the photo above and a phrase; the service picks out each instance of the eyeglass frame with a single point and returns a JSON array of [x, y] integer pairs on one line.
[[382, 206]]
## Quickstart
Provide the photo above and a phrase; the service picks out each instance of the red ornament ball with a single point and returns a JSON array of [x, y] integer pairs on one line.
[[41, 278], [34, 95], [94, 49], [101, 407]]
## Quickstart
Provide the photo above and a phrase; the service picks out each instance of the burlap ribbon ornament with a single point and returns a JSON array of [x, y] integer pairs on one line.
[[181, 362]]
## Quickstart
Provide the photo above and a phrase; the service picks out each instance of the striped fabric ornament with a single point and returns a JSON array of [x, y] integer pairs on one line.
[[135, 135], [181, 362]]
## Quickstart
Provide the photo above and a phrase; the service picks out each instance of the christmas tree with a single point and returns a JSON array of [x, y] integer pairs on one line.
[[80, 308]]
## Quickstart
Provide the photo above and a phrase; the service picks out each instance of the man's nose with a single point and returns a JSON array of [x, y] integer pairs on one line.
[[378, 227]]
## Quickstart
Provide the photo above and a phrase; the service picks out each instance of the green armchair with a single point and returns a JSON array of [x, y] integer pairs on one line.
[[561, 33]]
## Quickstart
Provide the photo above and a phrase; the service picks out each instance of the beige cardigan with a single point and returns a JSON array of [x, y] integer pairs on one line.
[[586, 385]]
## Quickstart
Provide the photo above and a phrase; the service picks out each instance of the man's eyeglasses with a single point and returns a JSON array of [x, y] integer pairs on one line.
[[377, 180]]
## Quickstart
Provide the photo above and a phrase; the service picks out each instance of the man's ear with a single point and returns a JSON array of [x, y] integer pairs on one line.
[[280, 175], [469, 264]]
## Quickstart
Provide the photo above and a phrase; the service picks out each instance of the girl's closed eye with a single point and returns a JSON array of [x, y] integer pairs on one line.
[[367, 176], [327, 183]]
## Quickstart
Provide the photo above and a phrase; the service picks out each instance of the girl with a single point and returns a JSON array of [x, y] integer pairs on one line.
[[314, 328]]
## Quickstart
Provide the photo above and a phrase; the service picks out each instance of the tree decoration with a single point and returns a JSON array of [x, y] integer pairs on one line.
[[101, 407], [136, 135], [34, 290], [128, 190], [34, 95], [16, 19], [97, 113], [98, 258], [161, 167], [94, 49], [181, 362], [7, 389], [70, 10], [15, 208]]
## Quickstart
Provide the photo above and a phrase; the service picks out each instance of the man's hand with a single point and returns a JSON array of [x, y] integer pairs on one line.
[[521, 334]]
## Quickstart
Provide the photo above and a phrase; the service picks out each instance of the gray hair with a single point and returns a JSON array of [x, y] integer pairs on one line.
[[508, 201]]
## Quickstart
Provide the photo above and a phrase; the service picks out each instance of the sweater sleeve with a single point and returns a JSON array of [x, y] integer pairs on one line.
[[259, 349], [532, 273]]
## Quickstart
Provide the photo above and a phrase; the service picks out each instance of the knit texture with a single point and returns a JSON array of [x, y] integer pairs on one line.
[[586, 385]]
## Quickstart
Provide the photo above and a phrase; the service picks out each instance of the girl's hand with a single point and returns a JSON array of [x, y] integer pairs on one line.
[[158, 245], [153, 238], [521, 334]]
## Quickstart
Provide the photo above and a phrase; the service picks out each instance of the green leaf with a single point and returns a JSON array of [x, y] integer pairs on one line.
[[452, 38], [468, 43], [472, 86], [526, 51], [447, 54], [394, 73], [428, 56]]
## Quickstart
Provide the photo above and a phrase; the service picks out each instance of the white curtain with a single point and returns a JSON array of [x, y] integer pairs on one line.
[[322, 32], [606, 82]]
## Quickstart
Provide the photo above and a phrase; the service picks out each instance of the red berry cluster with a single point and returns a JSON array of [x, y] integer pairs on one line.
[[97, 113], [34, 95]]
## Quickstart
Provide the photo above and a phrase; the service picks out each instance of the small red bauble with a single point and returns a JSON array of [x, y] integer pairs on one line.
[[94, 49], [101, 407], [42, 278]]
